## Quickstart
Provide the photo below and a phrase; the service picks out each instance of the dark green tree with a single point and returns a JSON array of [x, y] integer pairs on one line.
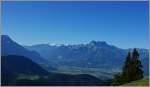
[[117, 79], [127, 69], [137, 72]]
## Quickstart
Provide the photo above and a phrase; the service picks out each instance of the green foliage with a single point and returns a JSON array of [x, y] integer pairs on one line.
[[117, 79], [127, 69], [131, 71], [137, 72]]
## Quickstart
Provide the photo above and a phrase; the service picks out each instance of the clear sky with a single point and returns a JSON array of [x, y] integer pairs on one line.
[[123, 24]]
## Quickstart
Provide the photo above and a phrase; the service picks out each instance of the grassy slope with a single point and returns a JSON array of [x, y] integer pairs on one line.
[[143, 82]]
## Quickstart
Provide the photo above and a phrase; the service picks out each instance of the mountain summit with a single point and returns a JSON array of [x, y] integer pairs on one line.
[[10, 47]]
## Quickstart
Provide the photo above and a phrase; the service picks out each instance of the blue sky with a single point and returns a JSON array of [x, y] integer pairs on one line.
[[123, 24]]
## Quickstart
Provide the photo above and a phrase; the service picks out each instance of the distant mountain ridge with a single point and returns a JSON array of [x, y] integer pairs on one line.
[[97, 54]]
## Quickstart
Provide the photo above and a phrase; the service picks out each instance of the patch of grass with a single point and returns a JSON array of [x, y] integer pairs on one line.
[[142, 82], [28, 77]]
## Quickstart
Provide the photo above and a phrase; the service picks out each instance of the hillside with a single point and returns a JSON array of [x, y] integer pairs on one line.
[[10, 47], [143, 82], [21, 71], [21, 65], [14, 66]]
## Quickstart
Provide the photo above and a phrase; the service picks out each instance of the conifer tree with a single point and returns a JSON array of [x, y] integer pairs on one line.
[[127, 70], [137, 72]]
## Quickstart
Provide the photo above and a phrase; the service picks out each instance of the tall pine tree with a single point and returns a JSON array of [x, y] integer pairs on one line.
[[127, 70], [137, 72]]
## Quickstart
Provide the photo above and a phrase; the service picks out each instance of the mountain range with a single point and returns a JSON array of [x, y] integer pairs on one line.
[[96, 60], [95, 54]]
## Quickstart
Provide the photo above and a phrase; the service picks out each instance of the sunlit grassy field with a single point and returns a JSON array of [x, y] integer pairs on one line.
[[143, 82]]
